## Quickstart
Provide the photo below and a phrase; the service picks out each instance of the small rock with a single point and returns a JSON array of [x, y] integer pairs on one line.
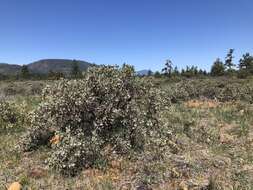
[[15, 186]]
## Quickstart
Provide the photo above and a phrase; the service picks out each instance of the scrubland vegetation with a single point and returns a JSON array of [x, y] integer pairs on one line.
[[111, 129]]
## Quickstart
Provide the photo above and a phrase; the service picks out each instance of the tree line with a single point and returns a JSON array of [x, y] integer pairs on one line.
[[242, 69]]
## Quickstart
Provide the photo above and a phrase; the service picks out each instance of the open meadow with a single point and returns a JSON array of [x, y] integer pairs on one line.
[[126, 95], [200, 137]]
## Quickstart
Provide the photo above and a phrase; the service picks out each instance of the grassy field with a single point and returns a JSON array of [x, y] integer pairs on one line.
[[14, 89], [211, 147]]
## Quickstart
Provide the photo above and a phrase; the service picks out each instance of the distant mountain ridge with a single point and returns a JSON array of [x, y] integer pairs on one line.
[[9, 69], [44, 66], [144, 72]]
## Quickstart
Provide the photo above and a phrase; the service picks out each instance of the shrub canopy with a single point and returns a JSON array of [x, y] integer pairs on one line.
[[109, 106]]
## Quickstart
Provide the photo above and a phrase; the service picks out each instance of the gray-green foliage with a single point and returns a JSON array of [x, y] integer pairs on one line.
[[74, 151], [211, 89], [109, 106], [9, 116]]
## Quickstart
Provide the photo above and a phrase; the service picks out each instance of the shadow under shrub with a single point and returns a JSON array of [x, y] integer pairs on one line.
[[109, 106]]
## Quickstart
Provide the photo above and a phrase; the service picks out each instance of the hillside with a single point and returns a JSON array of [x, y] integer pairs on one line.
[[56, 65], [44, 66], [9, 69], [143, 72]]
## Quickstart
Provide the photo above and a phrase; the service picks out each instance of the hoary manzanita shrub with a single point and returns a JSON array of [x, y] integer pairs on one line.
[[212, 89], [8, 115], [110, 106]]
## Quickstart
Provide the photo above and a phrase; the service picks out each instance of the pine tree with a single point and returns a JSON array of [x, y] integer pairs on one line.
[[168, 68], [182, 72], [150, 72], [246, 62], [157, 74], [218, 68], [229, 60], [25, 74], [76, 73], [195, 71], [176, 72]]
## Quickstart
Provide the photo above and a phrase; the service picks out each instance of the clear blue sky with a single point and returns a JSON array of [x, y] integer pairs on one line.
[[143, 33]]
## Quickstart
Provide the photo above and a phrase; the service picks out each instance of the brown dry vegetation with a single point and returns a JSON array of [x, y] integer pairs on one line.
[[202, 103]]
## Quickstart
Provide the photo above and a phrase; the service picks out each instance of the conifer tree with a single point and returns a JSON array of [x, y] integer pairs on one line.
[[76, 73], [229, 60], [218, 68], [25, 74]]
